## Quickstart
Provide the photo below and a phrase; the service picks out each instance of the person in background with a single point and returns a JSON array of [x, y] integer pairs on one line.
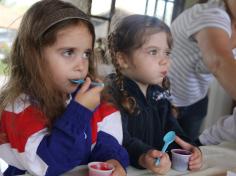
[[203, 40], [48, 123], [223, 130], [140, 54]]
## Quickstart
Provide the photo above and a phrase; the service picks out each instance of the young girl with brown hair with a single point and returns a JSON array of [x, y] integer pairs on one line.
[[140, 46], [44, 129]]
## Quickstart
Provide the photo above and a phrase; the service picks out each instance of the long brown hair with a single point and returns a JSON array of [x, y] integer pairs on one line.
[[130, 34], [29, 72]]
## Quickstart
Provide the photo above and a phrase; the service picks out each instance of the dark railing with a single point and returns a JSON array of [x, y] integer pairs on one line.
[[178, 8]]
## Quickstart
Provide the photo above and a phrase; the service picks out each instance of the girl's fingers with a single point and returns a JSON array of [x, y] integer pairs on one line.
[[85, 85], [97, 89], [195, 166], [183, 144], [115, 173], [195, 158], [196, 153], [154, 153], [195, 162]]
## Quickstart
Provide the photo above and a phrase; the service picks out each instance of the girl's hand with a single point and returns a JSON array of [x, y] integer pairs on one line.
[[147, 160], [89, 97], [195, 161], [119, 170]]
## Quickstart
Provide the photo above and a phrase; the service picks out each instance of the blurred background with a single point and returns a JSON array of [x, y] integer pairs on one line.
[[104, 13]]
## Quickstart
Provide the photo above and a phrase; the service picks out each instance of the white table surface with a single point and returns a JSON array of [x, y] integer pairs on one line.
[[217, 160]]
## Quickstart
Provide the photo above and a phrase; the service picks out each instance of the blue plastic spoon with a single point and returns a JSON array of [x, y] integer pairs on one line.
[[81, 81], [168, 139]]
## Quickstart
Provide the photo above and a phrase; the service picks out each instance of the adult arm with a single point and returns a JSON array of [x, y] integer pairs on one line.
[[216, 48]]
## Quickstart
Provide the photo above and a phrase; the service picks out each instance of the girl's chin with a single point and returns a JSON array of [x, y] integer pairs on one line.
[[158, 82], [71, 90]]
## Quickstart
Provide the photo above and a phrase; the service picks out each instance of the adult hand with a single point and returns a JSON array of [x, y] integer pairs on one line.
[[87, 96], [195, 161]]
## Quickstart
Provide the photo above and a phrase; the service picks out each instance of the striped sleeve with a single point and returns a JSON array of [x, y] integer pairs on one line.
[[24, 131], [30, 147], [108, 135], [107, 119], [188, 74], [207, 17]]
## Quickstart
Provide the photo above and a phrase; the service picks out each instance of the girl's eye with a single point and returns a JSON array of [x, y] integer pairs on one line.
[[87, 55], [68, 52], [153, 52], [168, 53]]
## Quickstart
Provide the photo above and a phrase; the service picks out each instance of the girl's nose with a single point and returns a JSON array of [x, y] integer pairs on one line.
[[164, 60], [81, 63]]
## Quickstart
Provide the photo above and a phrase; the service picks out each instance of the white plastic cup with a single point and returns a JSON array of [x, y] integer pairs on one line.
[[100, 169], [180, 159]]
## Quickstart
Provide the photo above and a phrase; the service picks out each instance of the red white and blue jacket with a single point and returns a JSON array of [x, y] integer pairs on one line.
[[76, 138]]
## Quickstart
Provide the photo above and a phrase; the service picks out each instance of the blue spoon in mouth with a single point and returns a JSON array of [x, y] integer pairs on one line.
[[81, 81], [168, 139]]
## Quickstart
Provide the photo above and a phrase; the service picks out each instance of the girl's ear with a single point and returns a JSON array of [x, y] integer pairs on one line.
[[122, 61]]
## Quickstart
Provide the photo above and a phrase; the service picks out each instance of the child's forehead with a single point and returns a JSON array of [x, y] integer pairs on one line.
[[76, 37], [79, 26], [157, 37]]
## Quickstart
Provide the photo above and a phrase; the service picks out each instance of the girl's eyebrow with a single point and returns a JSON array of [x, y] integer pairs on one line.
[[65, 48], [89, 50], [156, 47], [73, 48]]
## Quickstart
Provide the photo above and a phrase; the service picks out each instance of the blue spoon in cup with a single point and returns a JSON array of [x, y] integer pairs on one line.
[[168, 139]]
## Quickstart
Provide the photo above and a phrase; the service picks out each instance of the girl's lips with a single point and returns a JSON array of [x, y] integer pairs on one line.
[[164, 73], [72, 80]]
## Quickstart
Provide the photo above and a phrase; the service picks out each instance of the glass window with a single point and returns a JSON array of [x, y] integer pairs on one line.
[[151, 7], [164, 10], [160, 8], [101, 9], [101, 27], [131, 6]]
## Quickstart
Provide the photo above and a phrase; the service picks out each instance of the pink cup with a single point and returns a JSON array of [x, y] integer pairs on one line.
[[180, 159], [100, 169]]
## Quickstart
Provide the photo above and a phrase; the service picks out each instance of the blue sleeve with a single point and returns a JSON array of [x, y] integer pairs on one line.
[[69, 142], [107, 147], [11, 170]]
